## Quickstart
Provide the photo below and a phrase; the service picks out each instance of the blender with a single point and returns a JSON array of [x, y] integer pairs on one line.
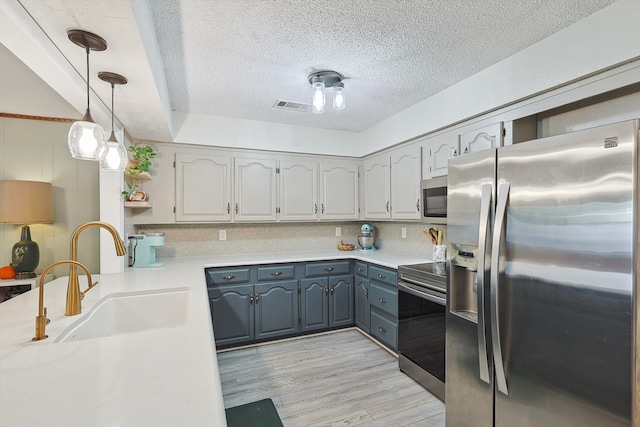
[[366, 238]]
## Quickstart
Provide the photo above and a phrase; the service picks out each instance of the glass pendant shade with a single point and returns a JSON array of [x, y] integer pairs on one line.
[[86, 140], [115, 158], [338, 96], [318, 99]]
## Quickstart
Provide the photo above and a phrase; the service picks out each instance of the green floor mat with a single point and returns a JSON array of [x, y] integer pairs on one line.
[[255, 414]]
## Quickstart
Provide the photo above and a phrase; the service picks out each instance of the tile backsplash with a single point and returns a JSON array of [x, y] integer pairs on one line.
[[183, 240]]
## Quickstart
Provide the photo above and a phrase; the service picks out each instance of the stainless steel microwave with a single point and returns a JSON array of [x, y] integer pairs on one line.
[[434, 200]]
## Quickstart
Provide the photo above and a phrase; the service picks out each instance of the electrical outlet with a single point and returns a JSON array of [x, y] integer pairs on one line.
[[338, 231], [222, 235], [404, 232]]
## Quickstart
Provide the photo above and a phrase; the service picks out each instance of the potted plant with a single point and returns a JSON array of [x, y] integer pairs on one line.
[[134, 194], [140, 162]]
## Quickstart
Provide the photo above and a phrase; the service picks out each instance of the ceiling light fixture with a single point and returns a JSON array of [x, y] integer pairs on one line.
[[86, 138], [115, 158], [320, 80]]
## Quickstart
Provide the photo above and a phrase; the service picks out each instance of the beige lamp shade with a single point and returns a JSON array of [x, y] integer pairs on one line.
[[26, 202]]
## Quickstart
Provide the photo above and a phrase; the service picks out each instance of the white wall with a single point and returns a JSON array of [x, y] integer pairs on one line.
[[37, 150]]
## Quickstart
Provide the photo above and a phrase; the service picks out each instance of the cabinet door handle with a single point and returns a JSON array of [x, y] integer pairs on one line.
[[316, 210], [332, 290], [250, 299], [455, 153], [322, 208], [237, 210], [382, 301], [387, 206], [360, 269], [329, 269], [466, 150], [257, 297], [228, 208], [381, 329], [276, 273], [366, 294], [230, 277], [382, 276], [326, 290], [418, 205]]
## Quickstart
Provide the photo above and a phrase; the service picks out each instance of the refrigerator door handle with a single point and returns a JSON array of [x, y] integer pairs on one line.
[[498, 231], [484, 251]]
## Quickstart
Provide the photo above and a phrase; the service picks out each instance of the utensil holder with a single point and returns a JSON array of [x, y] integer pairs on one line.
[[439, 253]]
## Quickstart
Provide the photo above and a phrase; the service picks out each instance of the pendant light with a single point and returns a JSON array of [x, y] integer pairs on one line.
[[86, 138], [115, 158], [320, 80]]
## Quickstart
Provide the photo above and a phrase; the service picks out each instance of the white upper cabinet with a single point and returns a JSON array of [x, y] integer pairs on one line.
[[298, 190], [255, 189], [437, 152], [377, 187], [203, 188], [481, 139], [406, 164], [338, 191]]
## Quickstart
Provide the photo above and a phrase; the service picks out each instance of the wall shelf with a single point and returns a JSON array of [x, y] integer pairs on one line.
[[138, 205], [143, 176]]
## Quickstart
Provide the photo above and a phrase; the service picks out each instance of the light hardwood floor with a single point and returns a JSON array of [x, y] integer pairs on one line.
[[335, 379]]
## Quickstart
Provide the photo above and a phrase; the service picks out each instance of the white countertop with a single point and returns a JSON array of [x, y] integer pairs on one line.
[[163, 377]]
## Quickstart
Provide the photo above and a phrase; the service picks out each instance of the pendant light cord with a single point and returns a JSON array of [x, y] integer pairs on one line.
[[88, 50], [112, 112]]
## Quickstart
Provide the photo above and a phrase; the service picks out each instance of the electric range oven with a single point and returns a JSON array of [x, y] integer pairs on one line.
[[422, 300]]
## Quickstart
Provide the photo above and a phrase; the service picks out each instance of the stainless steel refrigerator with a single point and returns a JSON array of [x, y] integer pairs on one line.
[[542, 266]]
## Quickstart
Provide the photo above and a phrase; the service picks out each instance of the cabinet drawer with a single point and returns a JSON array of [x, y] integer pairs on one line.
[[383, 275], [276, 272], [361, 269], [216, 276], [384, 330], [327, 268], [384, 298]]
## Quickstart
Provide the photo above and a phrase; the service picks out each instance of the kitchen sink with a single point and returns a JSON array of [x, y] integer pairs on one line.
[[128, 312]]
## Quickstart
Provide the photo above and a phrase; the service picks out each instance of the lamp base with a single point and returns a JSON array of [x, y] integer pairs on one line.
[[25, 255]]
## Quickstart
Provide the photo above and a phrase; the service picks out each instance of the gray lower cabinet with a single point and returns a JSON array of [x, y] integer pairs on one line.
[[232, 314], [326, 302], [258, 303], [276, 309], [341, 294], [243, 313], [383, 300], [362, 307]]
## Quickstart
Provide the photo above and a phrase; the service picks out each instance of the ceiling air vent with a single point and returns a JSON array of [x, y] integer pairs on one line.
[[292, 105]]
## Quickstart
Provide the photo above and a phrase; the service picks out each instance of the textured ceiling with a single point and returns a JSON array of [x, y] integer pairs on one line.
[[235, 58]]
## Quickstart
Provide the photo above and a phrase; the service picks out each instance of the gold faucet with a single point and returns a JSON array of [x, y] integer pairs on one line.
[[74, 296], [41, 318]]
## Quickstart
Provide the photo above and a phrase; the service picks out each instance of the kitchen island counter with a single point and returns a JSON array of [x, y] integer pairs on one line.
[[159, 377]]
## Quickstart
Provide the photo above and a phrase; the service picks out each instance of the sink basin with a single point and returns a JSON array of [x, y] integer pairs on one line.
[[128, 312]]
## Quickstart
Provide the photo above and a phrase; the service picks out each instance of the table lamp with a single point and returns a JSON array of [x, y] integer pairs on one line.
[[25, 202]]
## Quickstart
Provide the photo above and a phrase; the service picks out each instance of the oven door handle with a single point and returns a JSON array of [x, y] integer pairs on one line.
[[422, 285], [424, 294]]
